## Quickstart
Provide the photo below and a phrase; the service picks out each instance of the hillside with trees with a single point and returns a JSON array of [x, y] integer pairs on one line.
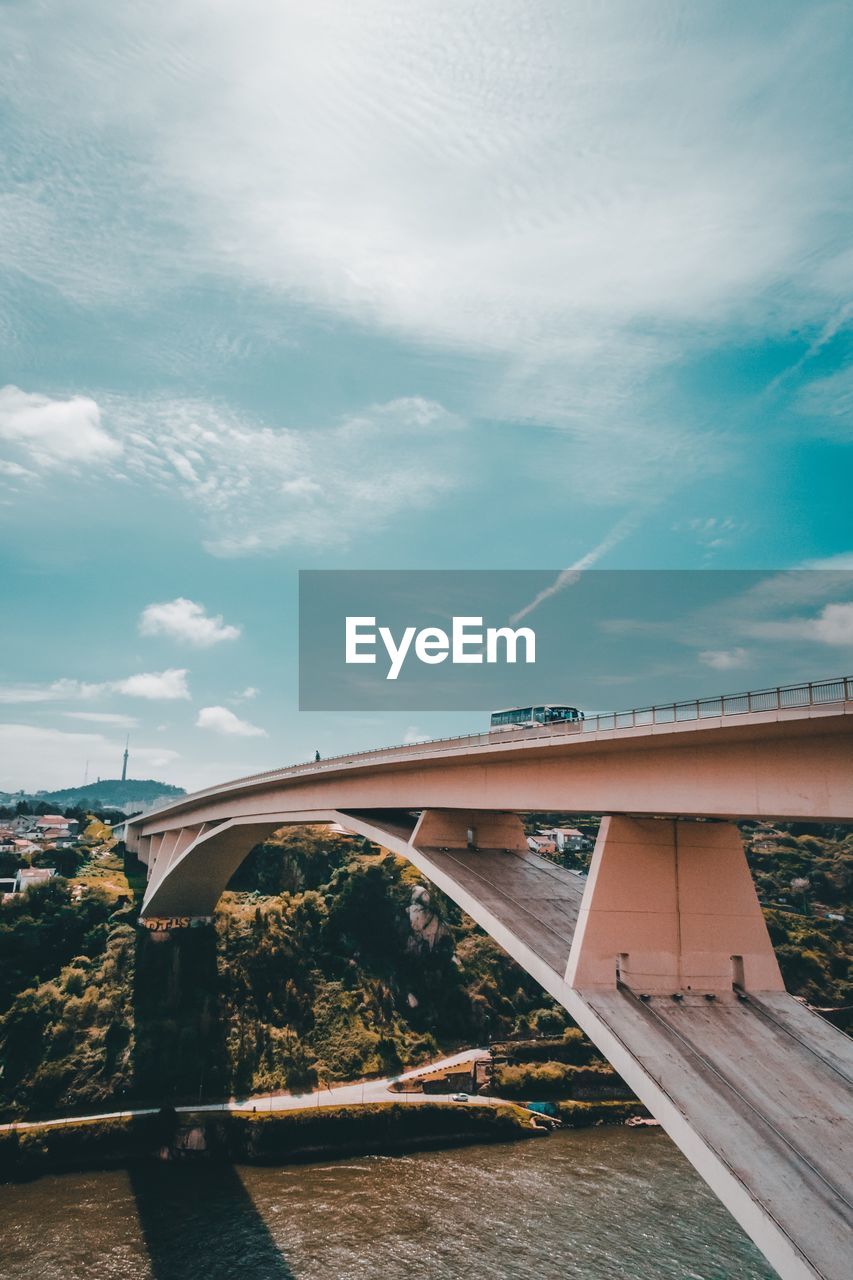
[[328, 960], [128, 794]]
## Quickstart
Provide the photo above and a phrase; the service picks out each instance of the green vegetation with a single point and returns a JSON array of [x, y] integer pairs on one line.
[[321, 980], [314, 973], [132, 794], [572, 1046], [255, 1138], [376, 1127], [550, 1080], [83, 1144], [804, 876], [583, 1115]]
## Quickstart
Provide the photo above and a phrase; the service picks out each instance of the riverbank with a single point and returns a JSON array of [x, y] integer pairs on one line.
[[283, 1137], [256, 1137]]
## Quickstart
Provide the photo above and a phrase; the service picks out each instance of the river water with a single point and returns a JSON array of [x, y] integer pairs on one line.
[[601, 1204]]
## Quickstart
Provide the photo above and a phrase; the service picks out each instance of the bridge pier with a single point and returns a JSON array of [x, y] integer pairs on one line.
[[671, 903], [670, 906], [469, 829]]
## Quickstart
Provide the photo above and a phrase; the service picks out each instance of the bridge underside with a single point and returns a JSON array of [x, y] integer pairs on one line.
[[663, 958]]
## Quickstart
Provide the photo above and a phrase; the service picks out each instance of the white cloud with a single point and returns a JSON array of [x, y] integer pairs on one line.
[[165, 685], [535, 183], [55, 432], [832, 626], [502, 182], [56, 691], [14, 470], [414, 735], [724, 659], [712, 532], [183, 619], [221, 720], [830, 401], [34, 757], [844, 560], [246, 695], [103, 717], [259, 488]]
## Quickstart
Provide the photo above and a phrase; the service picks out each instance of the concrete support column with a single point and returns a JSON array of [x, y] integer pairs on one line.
[[160, 862], [184, 839], [154, 846], [670, 906], [469, 829]]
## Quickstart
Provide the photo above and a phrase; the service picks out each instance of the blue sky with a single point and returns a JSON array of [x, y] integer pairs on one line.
[[370, 286]]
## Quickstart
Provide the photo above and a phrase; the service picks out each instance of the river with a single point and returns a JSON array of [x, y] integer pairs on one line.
[[600, 1204]]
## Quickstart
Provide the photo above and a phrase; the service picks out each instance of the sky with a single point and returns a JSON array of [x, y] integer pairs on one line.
[[454, 285]]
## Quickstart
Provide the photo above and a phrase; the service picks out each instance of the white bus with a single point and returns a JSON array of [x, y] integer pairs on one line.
[[533, 717]]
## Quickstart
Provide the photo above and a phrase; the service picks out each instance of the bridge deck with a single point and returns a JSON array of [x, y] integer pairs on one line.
[[785, 1131], [540, 900]]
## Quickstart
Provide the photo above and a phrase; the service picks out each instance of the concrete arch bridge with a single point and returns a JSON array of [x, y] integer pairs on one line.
[[661, 955]]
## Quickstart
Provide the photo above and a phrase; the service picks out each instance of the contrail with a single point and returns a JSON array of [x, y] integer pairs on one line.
[[833, 326], [570, 576]]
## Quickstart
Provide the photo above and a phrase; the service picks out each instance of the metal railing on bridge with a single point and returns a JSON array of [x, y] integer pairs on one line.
[[816, 693], [783, 697]]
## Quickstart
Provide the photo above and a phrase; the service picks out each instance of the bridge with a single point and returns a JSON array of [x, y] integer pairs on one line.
[[661, 955]]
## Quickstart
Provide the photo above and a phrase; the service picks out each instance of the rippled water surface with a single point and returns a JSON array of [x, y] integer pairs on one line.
[[607, 1203]]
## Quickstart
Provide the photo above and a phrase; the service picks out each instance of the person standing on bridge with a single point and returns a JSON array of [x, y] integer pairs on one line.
[[316, 755]]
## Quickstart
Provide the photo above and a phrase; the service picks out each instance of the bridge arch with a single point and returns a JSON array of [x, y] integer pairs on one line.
[[661, 956]]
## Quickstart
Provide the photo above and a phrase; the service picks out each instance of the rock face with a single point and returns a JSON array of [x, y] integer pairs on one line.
[[428, 929]]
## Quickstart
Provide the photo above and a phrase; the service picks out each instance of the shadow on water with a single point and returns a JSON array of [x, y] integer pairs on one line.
[[199, 1223], [197, 1219]]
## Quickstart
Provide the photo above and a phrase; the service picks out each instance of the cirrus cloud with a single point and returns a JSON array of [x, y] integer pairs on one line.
[[103, 717], [724, 659], [153, 685], [532, 185], [832, 626], [259, 488]]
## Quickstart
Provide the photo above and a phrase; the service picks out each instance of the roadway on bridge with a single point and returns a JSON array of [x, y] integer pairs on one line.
[[765, 1084], [756, 1093]]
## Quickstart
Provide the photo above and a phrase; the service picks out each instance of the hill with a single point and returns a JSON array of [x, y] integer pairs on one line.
[[107, 793]]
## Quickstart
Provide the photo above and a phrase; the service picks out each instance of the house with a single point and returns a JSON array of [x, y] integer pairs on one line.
[[55, 821], [567, 838], [57, 837], [541, 844], [29, 876]]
